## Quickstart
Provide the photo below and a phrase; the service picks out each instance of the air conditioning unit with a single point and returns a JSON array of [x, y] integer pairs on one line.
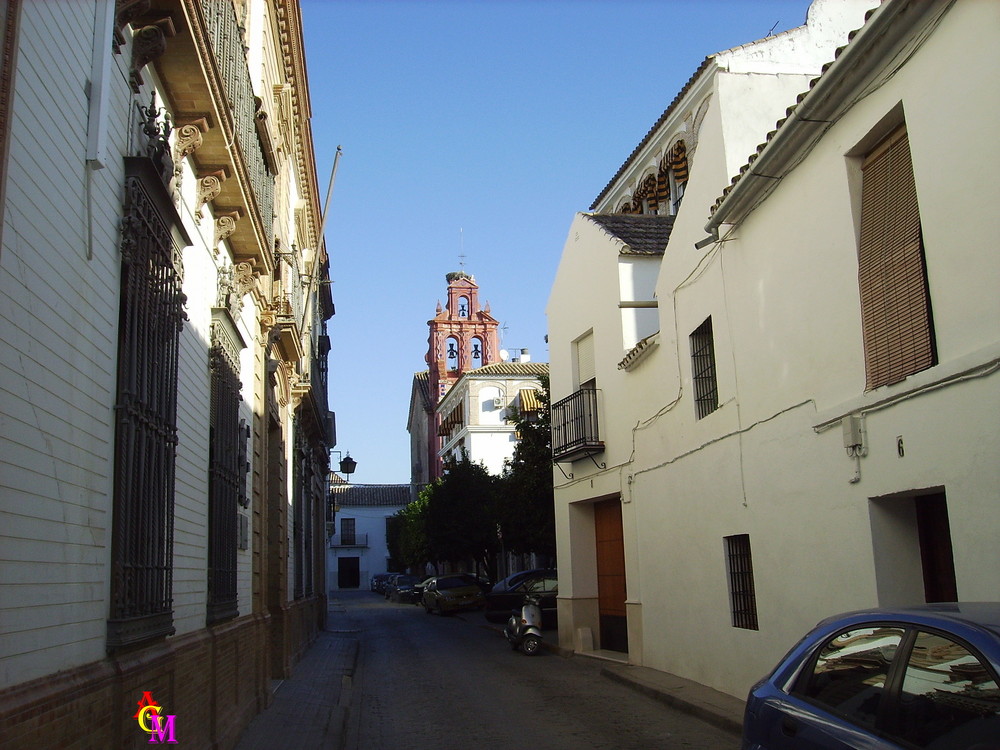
[[498, 403]]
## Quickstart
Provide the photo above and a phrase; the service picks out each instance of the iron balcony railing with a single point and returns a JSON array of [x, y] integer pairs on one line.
[[575, 427], [226, 37], [349, 540]]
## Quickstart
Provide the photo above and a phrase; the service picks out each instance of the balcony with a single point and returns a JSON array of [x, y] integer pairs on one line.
[[575, 428], [349, 540]]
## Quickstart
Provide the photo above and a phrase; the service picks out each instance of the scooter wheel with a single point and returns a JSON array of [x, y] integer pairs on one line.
[[530, 645]]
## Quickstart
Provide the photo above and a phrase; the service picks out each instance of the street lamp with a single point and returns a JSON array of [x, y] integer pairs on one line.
[[347, 464]]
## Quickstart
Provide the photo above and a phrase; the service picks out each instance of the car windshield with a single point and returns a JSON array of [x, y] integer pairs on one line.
[[406, 580], [453, 583]]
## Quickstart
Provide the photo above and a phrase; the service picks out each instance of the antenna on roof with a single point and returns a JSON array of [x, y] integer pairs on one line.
[[773, 28]]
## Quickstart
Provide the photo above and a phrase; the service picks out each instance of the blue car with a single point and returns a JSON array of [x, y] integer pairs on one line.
[[885, 679]]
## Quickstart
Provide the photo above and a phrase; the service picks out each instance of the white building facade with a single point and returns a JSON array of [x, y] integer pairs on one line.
[[357, 546], [786, 445], [476, 415]]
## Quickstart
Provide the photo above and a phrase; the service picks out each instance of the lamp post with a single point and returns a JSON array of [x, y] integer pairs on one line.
[[347, 464]]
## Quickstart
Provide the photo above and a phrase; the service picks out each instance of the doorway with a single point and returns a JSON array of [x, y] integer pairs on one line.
[[611, 587], [911, 541], [348, 572]]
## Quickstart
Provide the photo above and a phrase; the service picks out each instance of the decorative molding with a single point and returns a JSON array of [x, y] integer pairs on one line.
[[226, 335]]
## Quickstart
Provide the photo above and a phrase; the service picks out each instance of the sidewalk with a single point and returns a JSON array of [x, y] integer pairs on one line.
[[310, 708], [718, 709]]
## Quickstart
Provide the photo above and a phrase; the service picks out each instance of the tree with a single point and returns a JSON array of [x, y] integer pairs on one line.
[[527, 510], [461, 515], [406, 534]]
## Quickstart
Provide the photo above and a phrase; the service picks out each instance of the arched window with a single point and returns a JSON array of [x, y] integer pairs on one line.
[[463, 307], [451, 352], [476, 353]]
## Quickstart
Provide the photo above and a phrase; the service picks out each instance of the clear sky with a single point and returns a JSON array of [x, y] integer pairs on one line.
[[477, 128]]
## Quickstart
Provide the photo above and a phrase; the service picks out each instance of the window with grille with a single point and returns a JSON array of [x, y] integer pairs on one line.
[[347, 530], [895, 302], [706, 389], [739, 566], [151, 316], [226, 479]]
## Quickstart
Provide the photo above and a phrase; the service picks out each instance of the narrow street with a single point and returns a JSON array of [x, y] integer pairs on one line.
[[425, 681]]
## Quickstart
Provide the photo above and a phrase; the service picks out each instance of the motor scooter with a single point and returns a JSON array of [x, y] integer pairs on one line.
[[524, 628]]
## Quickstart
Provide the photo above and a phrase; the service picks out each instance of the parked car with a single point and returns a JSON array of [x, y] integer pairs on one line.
[[402, 588], [515, 578], [885, 679], [501, 601], [378, 582], [450, 593]]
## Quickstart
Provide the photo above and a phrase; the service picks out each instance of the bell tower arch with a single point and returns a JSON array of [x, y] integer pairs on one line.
[[463, 336]]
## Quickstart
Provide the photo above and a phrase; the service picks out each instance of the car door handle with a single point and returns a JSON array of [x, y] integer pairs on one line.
[[789, 728]]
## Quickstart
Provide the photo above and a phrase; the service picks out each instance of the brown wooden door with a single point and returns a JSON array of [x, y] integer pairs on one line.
[[610, 540]]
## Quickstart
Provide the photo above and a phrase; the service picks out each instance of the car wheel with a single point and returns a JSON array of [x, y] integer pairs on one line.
[[530, 645]]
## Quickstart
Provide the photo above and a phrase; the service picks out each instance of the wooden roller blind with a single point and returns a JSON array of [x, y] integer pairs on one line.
[[895, 303]]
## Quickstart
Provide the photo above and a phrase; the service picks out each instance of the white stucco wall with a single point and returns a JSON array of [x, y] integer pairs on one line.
[[782, 292], [58, 322]]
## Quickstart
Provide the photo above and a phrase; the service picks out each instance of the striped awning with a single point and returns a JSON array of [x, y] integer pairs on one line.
[[529, 400]]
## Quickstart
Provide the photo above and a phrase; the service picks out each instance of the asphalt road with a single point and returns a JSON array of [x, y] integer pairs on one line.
[[452, 683]]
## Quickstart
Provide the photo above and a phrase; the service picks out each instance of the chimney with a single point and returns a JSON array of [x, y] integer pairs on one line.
[[525, 355]]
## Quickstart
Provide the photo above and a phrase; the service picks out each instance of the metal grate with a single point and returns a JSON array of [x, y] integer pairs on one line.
[[226, 37], [739, 566], [706, 389], [151, 316], [226, 480]]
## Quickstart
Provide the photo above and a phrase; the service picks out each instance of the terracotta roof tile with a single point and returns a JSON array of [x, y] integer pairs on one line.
[[643, 234]]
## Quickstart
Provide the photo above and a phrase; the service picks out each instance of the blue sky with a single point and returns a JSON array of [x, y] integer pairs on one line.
[[477, 127]]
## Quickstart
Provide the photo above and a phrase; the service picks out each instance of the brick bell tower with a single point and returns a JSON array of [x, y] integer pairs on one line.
[[462, 337]]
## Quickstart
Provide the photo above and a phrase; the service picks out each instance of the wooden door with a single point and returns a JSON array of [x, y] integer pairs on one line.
[[610, 540]]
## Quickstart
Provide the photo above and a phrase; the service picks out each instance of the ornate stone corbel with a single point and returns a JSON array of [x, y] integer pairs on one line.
[[148, 43], [234, 283], [225, 225], [188, 137], [127, 11], [209, 187]]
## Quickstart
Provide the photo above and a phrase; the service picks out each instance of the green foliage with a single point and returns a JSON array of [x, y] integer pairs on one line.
[[527, 520], [469, 515]]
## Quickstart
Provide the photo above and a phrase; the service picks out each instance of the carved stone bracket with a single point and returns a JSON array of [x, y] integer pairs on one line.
[[234, 283], [148, 43], [209, 187], [188, 136], [225, 225]]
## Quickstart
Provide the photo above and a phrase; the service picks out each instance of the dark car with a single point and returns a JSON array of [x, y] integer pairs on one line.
[[378, 582], [402, 589], [450, 593], [885, 679], [503, 599], [515, 578]]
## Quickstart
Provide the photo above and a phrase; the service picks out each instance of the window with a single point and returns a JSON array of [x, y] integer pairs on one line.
[[347, 530], [226, 476], [895, 302], [706, 390], [849, 674], [739, 566], [151, 315], [949, 697]]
